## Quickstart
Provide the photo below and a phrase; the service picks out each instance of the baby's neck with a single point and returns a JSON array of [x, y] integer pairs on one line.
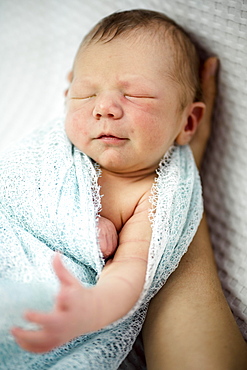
[[128, 177], [121, 194]]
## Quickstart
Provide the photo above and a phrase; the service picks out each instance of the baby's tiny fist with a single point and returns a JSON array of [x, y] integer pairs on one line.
[[108, 238]]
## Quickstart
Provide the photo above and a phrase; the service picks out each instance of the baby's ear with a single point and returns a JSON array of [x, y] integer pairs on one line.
[[69, 79], [192, 119]]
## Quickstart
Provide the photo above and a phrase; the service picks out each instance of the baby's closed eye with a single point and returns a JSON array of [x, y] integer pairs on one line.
[[139, 99], [82, 96], [139, 96]]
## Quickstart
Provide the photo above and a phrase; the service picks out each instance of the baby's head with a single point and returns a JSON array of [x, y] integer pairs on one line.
[[135, 90]]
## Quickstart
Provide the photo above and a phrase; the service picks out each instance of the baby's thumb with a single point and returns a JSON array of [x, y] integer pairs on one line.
[[64, 276]]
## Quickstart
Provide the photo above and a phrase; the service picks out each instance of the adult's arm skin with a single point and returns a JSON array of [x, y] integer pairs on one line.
[[189, 325]]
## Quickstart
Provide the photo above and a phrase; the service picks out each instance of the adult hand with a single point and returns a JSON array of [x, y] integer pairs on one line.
[[209, 87]]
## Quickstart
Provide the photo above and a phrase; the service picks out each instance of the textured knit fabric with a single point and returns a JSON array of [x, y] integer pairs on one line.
[[50, 201]]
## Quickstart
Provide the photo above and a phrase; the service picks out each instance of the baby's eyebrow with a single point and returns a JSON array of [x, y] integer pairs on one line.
[[122, 82], [132, 80], [82, 81]]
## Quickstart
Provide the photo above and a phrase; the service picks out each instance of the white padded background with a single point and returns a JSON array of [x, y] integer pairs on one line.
[[38, 40]]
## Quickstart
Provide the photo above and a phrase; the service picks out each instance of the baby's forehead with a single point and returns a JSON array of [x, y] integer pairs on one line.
[[161, 44], [153, 32], [142, 48]]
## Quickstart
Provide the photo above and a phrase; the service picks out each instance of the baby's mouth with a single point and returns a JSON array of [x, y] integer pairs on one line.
[[111, 139], [104, 136]]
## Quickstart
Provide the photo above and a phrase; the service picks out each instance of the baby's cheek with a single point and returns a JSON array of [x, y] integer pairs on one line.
[[75, 127], [69, 128], [155, 135]]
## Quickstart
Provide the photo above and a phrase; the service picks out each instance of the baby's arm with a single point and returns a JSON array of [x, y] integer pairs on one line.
[[79, 310]]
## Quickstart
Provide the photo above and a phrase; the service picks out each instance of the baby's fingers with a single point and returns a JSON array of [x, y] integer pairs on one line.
[[70, 286], [42, 319], [43, 339], [33, 341]]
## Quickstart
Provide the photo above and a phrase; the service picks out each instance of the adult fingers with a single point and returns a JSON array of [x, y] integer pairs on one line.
[[209, 88]]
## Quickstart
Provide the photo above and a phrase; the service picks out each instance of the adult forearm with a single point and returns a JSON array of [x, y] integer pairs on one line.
[[189, 324]]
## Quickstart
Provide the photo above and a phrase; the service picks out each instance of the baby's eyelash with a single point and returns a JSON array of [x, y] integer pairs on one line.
[[127, 96], [136, 96], [83, 97]]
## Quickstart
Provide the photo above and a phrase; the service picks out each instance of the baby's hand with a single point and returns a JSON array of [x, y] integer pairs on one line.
[[73, 315], [108, 238]]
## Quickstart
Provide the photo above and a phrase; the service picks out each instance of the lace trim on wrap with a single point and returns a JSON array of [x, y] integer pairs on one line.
[[94, 171], [98, 208], [155, 188]]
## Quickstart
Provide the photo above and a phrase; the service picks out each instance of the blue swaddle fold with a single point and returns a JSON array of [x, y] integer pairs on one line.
[[49, 201]]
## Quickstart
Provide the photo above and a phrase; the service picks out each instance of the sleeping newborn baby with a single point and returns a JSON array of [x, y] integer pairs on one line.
[[116, 179]]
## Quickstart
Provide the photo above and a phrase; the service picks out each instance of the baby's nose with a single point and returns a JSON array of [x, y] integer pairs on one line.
[[107, 106]]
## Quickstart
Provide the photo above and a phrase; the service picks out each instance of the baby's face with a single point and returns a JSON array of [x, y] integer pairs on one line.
[[122, 107]]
